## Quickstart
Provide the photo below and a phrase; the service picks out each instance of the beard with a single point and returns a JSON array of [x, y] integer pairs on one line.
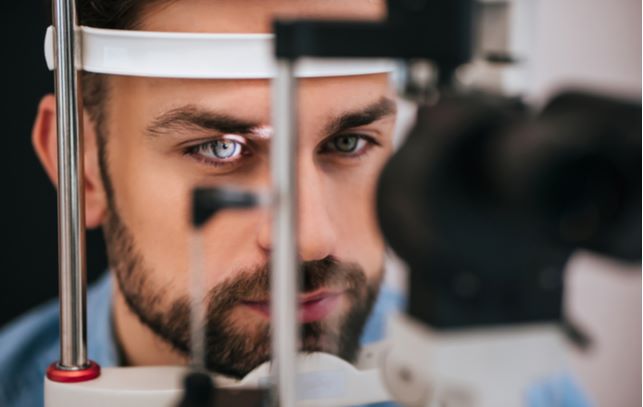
[[231, 349]]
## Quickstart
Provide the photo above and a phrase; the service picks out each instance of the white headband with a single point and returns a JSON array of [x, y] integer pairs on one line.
[[195, 55]]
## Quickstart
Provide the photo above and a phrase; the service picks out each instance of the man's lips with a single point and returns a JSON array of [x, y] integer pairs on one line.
[[313, 306]]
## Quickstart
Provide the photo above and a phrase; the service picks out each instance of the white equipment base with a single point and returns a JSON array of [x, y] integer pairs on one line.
[[323, 380], [482, 367]]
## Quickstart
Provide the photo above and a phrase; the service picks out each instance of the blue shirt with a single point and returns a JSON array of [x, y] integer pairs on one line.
[[31, 343]]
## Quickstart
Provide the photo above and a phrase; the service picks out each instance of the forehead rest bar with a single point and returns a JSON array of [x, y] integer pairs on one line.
[[196, 55]]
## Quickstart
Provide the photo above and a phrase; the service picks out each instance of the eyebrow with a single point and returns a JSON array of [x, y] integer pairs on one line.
[[363, 116], [191, 117]]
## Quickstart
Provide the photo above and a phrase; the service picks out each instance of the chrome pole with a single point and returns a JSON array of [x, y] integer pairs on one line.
[[285, 270], [71, 215]]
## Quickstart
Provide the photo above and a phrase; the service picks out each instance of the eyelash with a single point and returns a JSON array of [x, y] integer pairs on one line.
[[195, 151]]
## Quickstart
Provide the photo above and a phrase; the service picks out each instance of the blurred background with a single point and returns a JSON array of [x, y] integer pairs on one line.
[[593, 44], [28, 260]]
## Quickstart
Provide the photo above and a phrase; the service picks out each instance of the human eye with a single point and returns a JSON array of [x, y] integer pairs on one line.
[[221, 151], [350, 145]]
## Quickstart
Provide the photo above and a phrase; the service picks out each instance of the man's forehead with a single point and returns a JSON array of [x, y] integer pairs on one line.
[[322, 100], [250, 95], [245, 16]]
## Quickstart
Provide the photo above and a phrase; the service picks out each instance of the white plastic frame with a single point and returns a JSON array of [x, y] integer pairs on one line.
[[197, 55]]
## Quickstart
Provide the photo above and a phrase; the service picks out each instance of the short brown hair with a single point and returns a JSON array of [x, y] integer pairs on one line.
[[113, 14]]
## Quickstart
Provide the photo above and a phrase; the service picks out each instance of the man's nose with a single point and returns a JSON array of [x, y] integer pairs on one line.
[[316, 234]]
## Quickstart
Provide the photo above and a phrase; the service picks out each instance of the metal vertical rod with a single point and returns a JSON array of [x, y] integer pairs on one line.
[[71, 216], [285, 268]]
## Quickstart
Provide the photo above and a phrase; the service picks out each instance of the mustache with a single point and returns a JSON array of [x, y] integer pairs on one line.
[[255, 283]]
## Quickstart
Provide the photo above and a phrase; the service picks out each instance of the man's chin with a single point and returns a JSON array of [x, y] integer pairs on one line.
[[313, 339], [250, 342]]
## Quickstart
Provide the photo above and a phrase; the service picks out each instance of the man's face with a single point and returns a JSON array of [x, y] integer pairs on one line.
[[167, 136]]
